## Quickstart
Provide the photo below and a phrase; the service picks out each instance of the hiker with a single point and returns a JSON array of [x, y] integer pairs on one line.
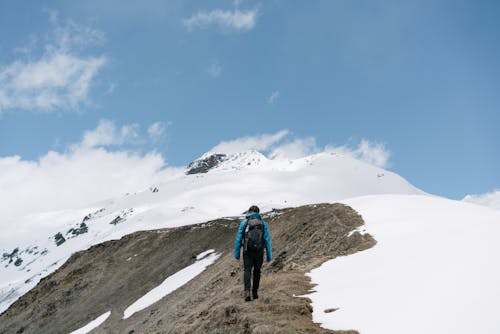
[[253, 236]]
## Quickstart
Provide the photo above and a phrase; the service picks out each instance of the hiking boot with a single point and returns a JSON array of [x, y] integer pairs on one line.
[[247, 296], [255, 295]]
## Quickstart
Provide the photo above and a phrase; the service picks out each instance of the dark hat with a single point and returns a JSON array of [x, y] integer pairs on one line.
[[254, 208]]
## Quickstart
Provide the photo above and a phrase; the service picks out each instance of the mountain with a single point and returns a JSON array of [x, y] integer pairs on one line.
[[421, 241], [225, 188], [115, 275]]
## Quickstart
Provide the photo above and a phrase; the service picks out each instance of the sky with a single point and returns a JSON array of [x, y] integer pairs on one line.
[[122, 89]]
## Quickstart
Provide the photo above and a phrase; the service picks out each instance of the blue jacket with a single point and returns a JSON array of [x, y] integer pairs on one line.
[[239, 237]]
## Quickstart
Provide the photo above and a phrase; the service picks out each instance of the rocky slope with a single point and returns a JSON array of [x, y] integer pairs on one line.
[[114, 274]]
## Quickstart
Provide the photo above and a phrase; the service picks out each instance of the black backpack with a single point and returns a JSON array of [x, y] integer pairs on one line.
[[254, 232]]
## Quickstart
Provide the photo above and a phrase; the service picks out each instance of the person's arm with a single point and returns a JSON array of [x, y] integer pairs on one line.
[[267, 239], [239, 237]]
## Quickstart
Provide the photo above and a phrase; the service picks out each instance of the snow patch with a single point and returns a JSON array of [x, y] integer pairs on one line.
[[171, 284], [93, 324], [203, 254]]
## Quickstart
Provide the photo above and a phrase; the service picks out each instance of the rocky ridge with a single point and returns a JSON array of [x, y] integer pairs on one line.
[[112, 275]]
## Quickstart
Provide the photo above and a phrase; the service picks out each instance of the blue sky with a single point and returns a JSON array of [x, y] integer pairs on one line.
[[420, 79]]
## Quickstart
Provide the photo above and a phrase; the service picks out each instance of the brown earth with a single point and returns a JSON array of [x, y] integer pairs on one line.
[[114, 274]]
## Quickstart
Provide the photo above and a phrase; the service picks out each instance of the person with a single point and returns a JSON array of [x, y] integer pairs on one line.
[[253, 236]]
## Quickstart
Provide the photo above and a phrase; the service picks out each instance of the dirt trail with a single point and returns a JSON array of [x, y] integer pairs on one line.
[[112, 275]]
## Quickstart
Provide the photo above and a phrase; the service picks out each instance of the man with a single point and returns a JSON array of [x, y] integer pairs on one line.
[[253, 236]]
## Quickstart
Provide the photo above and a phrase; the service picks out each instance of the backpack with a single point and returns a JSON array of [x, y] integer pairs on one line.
[[254, 232]]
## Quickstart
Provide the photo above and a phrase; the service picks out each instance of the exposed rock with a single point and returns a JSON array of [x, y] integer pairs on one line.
[[205, 164], [11, 256], [78, 230], [18, 262], [59, 239], [117, 220], [92, 215], [330, 310]]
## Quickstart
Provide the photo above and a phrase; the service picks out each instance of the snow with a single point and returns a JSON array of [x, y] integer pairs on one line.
[[243, 179], [172, 283], [434, 270], [203, 254], [93, 324]]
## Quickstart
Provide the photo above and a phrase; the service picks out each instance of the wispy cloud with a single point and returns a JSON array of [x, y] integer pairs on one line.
[[108, 134], [491, 199], [59, 78], [297, 148], [226, 20], [215, 70], [156, 131], [282, 145], [273, 97], [371, 152], [260, 143]]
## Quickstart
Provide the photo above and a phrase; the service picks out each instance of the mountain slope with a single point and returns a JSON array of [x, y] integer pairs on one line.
[[433, 269], [37, 245], [112, 275]]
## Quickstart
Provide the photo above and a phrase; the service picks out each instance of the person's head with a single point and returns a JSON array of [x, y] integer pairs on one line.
[[254, 208]]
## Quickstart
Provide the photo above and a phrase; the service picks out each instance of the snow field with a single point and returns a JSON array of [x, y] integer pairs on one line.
[[433, 270]]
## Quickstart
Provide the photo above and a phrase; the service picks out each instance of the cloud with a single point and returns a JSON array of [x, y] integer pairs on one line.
[[60, 181], [274, 96], [371, 152], [298, 148], [280, 146], [224, 19], [260, 143], [58, 79], [108, 134], [86, 173], [156, 131], [491, 199], [215, 70]]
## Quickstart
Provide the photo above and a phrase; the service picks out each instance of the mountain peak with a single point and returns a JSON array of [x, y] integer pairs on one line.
[[205, 163], [236, 161]]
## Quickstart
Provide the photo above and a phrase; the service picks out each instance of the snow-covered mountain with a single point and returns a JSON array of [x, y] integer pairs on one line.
[[406, 219], [214, 185]]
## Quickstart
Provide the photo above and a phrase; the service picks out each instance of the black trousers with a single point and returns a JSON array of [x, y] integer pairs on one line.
[[252, 260]]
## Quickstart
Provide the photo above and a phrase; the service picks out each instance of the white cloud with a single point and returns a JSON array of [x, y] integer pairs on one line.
[[60, 78], [371, 152], [156, 131], [86, 173], [107, 134], [224, 19], [491, 199], [60, 181], [273, 97], [280, 146], [298, 148], [215, 70], [260, 143]]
